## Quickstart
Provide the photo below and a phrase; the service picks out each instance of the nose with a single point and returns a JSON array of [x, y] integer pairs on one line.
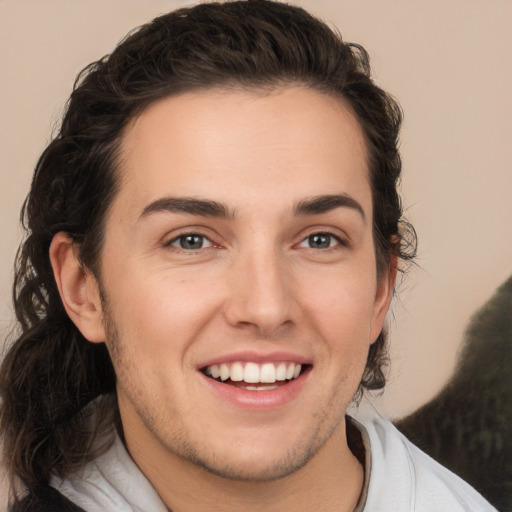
[[261, 294]]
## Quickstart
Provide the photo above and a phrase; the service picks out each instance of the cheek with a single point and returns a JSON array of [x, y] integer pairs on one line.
[[161, 310], [342, 302]]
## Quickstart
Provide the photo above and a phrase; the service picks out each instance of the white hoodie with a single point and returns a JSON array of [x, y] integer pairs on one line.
[[399, 478]]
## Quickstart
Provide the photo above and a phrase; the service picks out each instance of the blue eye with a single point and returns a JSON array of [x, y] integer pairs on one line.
[[320, 241], [191, 242]]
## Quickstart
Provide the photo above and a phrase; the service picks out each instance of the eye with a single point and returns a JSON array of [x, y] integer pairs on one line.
[[320, 241], [190, 242]]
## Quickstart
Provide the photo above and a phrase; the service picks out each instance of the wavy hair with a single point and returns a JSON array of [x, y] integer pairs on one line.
[[51, 372]]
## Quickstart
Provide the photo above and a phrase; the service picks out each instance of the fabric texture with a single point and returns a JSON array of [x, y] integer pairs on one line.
[[45, 499], [399, 478], [405, 479]]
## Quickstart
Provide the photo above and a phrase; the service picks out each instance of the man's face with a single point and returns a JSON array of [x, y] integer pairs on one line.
[[240, 247]]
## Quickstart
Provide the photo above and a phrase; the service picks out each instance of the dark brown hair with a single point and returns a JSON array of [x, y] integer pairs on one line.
[[51, 372]]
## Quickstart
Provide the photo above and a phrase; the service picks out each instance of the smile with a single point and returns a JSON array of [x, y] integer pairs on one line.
[[261, 376]]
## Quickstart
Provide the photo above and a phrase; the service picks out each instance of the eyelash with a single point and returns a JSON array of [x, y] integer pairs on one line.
[[331, 236], [183, 236], [180, 239]]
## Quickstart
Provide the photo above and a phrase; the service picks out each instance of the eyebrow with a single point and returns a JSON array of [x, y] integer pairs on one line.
[[322, 204], [205, 208], [208, 208]]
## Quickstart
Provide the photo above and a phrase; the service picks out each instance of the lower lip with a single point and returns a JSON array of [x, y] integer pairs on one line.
[[258, 400]]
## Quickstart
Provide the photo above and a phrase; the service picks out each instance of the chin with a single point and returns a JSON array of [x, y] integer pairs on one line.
[[255, 469], [258, 460]]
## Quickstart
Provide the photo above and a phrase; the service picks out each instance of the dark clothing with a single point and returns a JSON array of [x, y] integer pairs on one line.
[[45, 499]]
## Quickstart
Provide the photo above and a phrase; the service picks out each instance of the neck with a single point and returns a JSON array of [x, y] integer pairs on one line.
[[331, 481]]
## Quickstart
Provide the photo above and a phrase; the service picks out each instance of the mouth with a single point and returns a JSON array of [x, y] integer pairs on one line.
[[252, 376]]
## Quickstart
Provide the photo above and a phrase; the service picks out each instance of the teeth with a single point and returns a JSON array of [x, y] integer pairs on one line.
[[268, 373], [224, 372], [214, 371], [290, 370], [259, 388], [281, 371], [254, 373], [237, 372]]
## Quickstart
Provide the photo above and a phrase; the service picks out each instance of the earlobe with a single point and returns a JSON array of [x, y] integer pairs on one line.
[[78, 288]]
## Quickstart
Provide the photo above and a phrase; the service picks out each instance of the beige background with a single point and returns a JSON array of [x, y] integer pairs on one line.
[[450, 65]]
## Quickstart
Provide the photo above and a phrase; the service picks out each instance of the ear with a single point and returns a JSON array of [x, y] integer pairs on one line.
[[78, 288], [383, 296]]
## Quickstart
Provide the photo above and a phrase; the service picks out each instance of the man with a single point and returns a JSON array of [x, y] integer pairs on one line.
[[213, 239]]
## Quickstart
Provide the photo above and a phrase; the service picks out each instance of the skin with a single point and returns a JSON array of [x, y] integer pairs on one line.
[[257, 286]]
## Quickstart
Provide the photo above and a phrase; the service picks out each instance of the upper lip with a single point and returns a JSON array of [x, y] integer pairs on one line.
[[256, 357]]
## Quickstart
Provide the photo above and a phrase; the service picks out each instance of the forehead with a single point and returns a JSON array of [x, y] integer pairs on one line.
[[242, 146]]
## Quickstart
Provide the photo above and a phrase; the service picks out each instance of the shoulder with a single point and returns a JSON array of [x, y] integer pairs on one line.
[[403, 478], [45, 499]]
